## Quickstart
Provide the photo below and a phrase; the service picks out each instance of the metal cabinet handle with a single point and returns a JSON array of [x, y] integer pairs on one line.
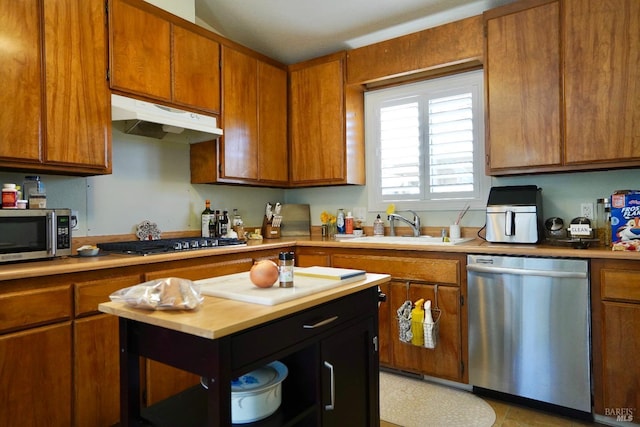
[[320, 323], [330, 406]]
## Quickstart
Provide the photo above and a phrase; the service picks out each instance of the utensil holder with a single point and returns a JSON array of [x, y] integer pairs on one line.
[[429, 330]]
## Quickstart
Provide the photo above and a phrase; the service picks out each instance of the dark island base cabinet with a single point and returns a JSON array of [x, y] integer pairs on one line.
[[333, 368]]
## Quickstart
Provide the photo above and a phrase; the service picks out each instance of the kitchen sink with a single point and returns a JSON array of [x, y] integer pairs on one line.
[[406, 240]]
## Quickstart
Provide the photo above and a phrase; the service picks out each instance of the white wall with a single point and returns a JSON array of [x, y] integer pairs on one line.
[[562, 195], [151, 181], [185, 9]]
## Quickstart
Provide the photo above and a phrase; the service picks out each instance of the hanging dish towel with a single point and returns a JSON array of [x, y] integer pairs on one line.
[[404, 322]]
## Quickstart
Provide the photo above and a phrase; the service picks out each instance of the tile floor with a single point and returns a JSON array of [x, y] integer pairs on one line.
[[512, 415]]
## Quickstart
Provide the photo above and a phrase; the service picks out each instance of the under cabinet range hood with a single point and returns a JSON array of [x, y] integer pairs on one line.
[[136, 117]]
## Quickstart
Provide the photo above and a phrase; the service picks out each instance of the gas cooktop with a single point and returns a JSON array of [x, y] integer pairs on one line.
[[148, 247]]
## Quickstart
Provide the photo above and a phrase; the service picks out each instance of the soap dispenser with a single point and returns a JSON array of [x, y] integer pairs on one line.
[[378, 226]]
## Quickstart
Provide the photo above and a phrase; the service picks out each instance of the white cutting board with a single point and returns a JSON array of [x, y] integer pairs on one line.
[[239, 287]]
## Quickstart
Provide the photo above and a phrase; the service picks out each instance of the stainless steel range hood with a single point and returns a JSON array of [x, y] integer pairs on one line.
[[137, 117]]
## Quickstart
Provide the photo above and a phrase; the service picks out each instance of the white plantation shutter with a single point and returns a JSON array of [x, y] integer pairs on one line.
[[451, 144], [400, 149], [425, 143]]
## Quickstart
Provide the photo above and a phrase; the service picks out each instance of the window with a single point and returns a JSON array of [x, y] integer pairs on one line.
[[425, 144]]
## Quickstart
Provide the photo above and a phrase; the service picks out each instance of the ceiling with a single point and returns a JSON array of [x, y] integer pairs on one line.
[[296, 30]]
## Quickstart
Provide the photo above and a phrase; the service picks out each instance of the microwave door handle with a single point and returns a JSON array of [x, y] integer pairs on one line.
[[509, 223], [51, 238]]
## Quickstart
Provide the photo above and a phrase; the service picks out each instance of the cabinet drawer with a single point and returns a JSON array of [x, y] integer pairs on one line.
[[91, 293], [22, 309], [295, 329], [621, 284], [426, 269]]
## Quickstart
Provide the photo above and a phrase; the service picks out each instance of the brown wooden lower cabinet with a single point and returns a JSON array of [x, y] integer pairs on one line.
[[615, 303], [414, 276], [96, 374], [35, 366], [443, 361]]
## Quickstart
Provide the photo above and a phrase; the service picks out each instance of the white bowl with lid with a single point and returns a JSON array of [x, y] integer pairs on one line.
[[256, 394]]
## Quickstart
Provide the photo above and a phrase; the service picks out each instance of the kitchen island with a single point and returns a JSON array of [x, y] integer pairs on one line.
[[328, 341]]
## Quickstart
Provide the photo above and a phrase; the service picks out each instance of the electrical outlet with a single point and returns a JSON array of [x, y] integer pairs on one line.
[[586, 210], [75, 220]]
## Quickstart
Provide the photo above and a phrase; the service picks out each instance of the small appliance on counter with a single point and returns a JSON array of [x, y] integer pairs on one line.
[[514, 214], [554, 229], [32, 234]]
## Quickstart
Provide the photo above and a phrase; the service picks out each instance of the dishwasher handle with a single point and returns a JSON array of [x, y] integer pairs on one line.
[[525, 272]]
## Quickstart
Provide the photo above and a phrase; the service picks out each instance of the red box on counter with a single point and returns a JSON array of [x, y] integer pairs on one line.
[[625, 220]]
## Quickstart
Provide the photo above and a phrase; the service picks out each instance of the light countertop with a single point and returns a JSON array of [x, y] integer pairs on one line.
[[77, 264]]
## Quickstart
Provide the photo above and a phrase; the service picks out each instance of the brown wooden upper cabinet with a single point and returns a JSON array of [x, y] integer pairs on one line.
[[56, 117], [254, 148], [158, 56], [326, 124], [522, 86], [558, 96], [602, 82]]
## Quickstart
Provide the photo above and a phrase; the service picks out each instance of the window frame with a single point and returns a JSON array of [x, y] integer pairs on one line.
[[441, 86]]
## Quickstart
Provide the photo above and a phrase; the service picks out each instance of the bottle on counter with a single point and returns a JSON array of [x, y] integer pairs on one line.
[[9, 196], [378, 226], [223, 223], [205, 218], [285, 269], [340, 222], [213, 224], [348, 223], [237, 224], [32, 187]]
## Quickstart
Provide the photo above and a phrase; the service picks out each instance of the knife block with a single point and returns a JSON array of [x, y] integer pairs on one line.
[[270, 232]]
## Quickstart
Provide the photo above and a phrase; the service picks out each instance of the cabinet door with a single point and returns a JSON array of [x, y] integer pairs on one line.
[[522, 79], [273, 154], [317, 122], [21, 99], [96, 371], [385, 318], [140, 48], [445, 361], [196, 70], [78, 112], [240, 140], [36, 377], [350, 378], [621, 380], [602, 81]]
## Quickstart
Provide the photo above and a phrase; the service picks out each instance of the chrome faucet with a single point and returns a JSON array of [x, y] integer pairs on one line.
[[415, 225]]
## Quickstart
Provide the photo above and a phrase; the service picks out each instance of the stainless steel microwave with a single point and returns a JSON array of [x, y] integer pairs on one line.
[[31, 234]]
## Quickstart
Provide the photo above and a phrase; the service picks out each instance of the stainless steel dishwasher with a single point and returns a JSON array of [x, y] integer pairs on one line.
[[529, 329]]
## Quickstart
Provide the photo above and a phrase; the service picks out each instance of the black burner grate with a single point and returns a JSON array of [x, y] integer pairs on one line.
[[146, 247]]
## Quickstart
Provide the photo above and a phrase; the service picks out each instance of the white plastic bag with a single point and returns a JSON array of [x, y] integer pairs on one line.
[[171, 293]]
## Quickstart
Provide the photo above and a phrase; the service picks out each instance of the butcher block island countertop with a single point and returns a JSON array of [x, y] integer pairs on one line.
[[219, 317]]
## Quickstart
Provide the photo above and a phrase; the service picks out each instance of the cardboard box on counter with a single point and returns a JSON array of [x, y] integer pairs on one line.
[[625, 220]]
